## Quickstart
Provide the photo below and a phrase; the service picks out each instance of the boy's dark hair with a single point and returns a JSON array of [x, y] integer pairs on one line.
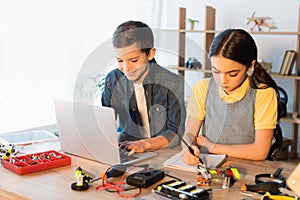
[[134, 32], [238, 45]]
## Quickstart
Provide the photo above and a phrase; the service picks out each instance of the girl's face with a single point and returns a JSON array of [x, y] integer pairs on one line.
[[133, 62], [228, 74]]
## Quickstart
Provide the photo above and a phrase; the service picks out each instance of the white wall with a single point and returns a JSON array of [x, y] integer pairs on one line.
[[44, 43]]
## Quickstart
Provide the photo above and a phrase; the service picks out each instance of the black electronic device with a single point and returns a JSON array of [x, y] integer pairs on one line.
[[179, 190], [145, 178], [116, 171]]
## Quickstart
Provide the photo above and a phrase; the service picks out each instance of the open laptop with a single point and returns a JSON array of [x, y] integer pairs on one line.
[[90, 131]]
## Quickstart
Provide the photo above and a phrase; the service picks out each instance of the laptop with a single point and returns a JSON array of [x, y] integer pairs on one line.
[[90, 131]]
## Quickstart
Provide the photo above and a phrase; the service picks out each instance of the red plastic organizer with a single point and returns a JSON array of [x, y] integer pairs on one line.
[[36, 162]]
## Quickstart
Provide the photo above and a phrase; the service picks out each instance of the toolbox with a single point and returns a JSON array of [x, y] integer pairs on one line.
[[36, 162]]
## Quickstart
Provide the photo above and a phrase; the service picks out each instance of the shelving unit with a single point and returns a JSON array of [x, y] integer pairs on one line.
[[209, 34]]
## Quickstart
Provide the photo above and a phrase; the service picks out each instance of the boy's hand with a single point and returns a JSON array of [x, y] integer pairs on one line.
[[136, 146], [189, 158]]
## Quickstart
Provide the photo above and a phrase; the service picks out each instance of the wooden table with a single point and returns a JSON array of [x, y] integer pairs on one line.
[[56, 183]]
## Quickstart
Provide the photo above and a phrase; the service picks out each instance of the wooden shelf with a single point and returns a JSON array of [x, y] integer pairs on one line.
[[277, 75], [290, 119], [273, 74], [192, 31], [251, 32], [274, 32], [180, 68]]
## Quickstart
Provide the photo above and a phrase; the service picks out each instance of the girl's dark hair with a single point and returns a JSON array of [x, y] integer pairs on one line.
[[134, 32], [238, 45]]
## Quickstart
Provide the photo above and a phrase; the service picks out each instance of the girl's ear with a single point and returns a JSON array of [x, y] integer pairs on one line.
[[253, 63], [251, 69], [151, 53]]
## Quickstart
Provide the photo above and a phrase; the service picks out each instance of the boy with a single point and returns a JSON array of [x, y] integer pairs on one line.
[[148, 99]]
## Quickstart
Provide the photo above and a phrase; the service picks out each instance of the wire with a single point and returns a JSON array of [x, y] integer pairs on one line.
[[118, 187], [95, 180], [173, 177]]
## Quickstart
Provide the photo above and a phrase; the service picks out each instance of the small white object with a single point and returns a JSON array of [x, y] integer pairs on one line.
[[26, 138]]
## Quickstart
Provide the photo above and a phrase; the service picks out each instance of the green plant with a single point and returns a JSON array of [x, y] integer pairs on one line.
[[193, 21], [89, 87], [100, 81]]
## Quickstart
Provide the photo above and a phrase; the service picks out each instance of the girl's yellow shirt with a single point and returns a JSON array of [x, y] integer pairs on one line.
[[265, 115]]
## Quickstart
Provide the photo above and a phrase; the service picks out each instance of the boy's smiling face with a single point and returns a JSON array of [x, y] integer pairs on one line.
[[133, 62]]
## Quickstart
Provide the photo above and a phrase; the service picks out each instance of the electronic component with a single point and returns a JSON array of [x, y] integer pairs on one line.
[[175, 189], [145, 178], [83, 178], [7, 151], [216, 176], [116, 171]]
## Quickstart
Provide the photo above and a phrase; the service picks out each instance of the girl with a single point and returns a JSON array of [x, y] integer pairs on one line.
[[237, 107]]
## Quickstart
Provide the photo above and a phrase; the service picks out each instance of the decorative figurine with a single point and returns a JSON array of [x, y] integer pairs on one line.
[[260, 21], [193, 63]]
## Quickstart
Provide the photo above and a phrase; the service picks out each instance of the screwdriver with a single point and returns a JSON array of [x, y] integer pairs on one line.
[[272, 187]]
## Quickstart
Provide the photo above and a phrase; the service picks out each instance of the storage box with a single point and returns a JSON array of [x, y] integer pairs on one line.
[[36, 162]]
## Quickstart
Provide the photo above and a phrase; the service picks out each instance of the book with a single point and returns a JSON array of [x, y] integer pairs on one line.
[[290, 62], [287, 62], [284, 63], [210, 160]]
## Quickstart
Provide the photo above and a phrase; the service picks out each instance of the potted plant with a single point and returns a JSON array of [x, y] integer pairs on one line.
[[192, 23], [89, 87]]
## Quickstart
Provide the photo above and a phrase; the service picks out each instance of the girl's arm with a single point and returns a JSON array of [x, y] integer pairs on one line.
[[191, 132], [256, 151]]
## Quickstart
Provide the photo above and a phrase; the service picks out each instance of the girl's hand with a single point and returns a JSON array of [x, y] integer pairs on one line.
[[189, 158], [201, 140], [204, 142]]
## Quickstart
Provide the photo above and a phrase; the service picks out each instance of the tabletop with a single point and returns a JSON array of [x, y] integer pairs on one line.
[[56, 183]]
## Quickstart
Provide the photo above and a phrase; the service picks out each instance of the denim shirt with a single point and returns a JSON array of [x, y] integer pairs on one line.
[[164, 95]]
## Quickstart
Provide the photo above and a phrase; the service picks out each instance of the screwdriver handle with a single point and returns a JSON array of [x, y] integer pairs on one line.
[[264, 187]]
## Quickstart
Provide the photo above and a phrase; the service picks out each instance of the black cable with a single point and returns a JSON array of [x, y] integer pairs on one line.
[[95, 180], [173, 177]]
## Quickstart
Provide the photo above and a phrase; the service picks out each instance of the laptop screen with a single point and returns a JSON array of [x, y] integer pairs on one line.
[[87, 130], [90, 131]]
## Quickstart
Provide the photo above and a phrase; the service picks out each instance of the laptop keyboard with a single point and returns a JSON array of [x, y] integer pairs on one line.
[[124, 156]]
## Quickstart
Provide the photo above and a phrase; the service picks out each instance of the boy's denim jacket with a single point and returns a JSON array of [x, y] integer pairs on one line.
[[164, 92]]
